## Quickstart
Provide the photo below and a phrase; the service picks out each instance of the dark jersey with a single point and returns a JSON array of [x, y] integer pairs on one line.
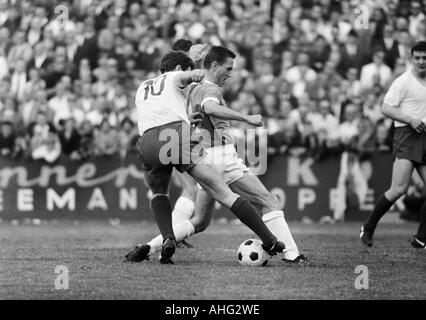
[[219, 130]]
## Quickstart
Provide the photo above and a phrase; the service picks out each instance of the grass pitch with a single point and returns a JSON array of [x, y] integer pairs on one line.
[[94, 252]]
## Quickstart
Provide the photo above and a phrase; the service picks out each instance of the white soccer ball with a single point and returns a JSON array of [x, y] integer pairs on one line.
[[251, 253]]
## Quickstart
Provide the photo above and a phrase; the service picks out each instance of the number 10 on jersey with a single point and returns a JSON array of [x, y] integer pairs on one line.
[[155, 86]]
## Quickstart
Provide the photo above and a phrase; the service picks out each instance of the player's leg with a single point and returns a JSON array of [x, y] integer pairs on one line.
[[185, 204], [186, 228], [183, 227], [212, 183], [419, 240], [182, 230], [250, 187], [401, 174], [204, 206], [157, 176], [158, 180]]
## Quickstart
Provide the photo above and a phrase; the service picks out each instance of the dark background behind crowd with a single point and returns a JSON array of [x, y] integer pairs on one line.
[[316, 69]]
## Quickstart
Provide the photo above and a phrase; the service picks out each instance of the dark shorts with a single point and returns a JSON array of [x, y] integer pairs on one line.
[[169, 146], [410, 145]]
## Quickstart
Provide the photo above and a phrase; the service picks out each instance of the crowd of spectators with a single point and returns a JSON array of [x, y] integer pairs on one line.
[[316, 70]]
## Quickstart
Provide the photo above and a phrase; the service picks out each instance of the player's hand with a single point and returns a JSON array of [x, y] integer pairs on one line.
[[197, 75], [418, 125], [255, 119], [195, 118]]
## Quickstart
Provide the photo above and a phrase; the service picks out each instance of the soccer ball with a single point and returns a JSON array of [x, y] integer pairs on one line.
[[251, 253]]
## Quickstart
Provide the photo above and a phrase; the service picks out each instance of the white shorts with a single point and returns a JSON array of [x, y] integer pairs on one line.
[[225, 160]]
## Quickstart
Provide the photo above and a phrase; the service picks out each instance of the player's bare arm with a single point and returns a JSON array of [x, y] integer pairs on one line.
[[214, 109], [395, 113], [184, 79]]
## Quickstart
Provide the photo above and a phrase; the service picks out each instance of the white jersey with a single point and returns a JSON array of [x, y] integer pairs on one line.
[[408, 94], [160, 101]]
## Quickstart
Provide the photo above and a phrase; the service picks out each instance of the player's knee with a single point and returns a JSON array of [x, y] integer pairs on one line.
[[200, 224], [207, 176], [158, 182], [269, 201], [274, 202], [190, 192], [158, 186], [159, 189], [398, 190]]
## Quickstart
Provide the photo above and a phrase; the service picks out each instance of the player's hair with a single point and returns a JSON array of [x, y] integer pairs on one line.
[[217, 54], [174, 58], [419, 46], [182, 45]]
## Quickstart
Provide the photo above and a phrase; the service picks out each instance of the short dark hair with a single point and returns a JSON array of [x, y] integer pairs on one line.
[[174, 58], [217, 54], [418, 46], [182, 45]]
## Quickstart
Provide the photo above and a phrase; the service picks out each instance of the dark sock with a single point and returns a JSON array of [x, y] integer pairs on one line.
[[163, 214], [251, 218], [382, 206], [421, 231]]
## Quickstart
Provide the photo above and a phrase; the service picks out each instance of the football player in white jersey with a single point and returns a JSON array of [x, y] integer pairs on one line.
[[166, 142], [405, 103], [185, 205]]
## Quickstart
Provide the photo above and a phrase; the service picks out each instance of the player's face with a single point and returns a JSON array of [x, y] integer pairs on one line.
[[419, 61], [223, 72]]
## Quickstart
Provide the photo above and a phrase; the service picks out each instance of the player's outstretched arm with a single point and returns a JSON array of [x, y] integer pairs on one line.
[[185, 78], [214, 109], [395, 113]]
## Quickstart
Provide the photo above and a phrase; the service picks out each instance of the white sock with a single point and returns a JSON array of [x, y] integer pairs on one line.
[[278, 226], [182, 230], [183, 210]]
